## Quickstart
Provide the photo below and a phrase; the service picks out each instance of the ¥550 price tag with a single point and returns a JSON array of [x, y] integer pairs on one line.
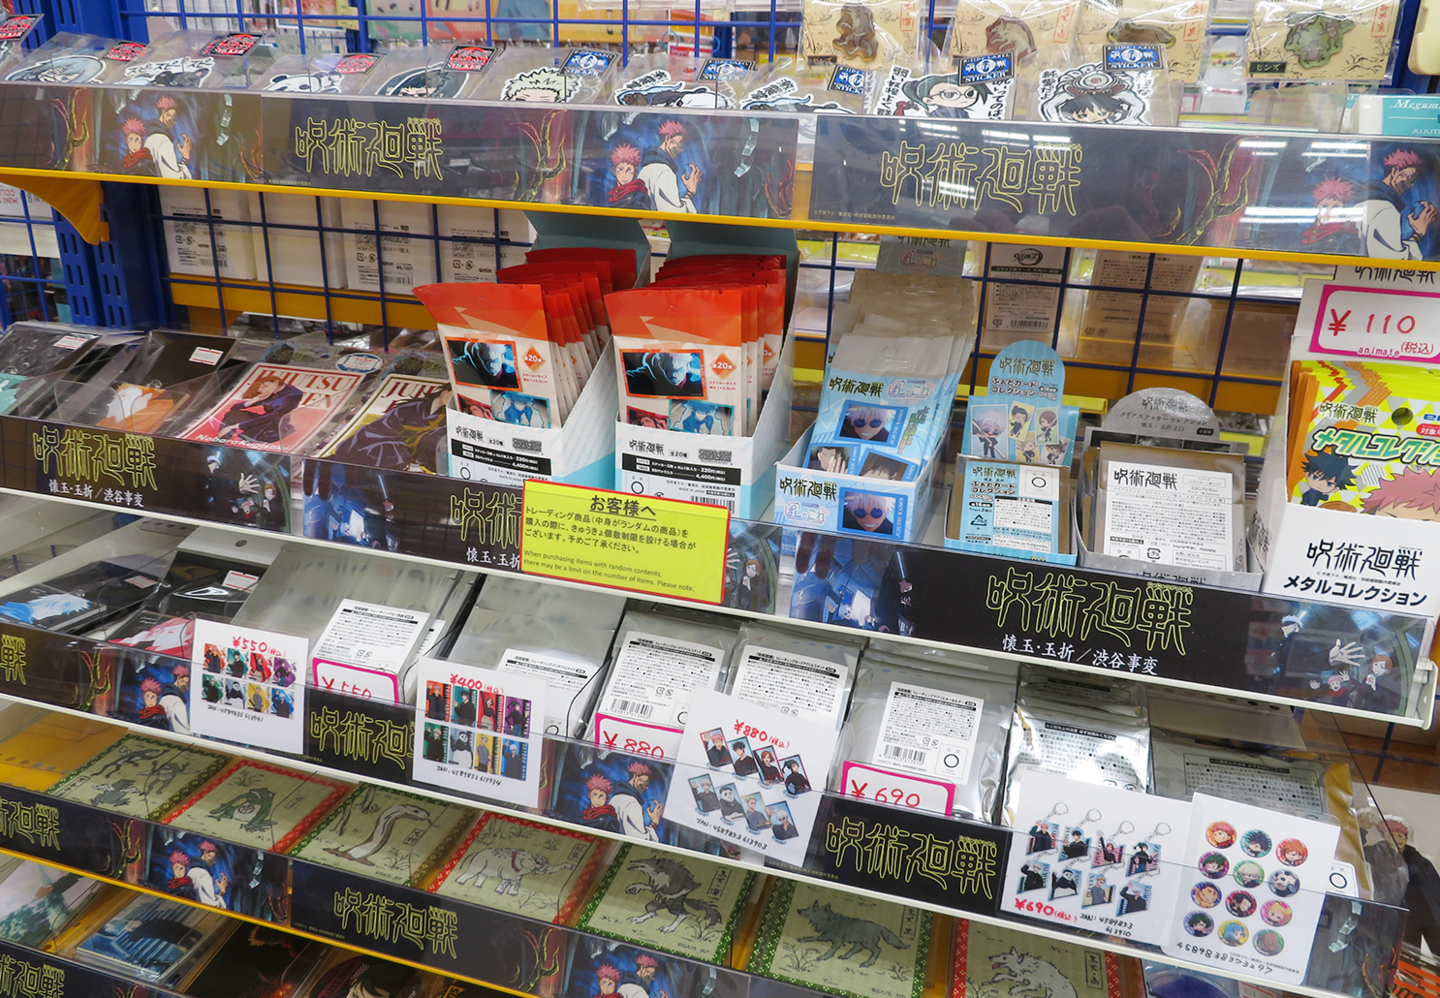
[[1380, 323]]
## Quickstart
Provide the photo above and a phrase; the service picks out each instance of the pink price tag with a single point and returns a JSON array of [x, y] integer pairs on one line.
[[888, 787], [1378, 323], [621, 734]]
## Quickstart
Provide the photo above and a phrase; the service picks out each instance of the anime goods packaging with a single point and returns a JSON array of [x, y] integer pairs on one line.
[[1352, 40], [990, 960], [928, 734], [1022, 416], [319, 73], [66, 58], [259, 805], [549, 76], [276, 407], [979, 87], [869, 35], [400, 427], [197, 60], [1037, 31], [140, 777], [1177, 27], [1012, 509], [666, 80], [37, 902], [498, 341], [785, 85], [152, 939], [1121, 85]]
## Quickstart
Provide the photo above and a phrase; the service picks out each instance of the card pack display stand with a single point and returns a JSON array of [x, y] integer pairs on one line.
[[1172, 419], [582, 452], [1294, 541]]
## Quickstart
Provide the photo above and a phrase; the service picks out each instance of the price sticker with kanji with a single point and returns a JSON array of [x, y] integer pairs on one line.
[[1378, 323]]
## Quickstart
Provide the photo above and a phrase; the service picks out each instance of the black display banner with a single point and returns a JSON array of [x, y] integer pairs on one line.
[[72, 834], [364, 737], [46, 127], [145, 474], [468, 941], [1185, 187], [58, 669], [412, 513], [26, 973], [909, 855], [1119, 623]]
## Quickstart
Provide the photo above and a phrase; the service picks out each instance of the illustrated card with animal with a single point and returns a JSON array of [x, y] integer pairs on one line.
[[1315, 40], [865, 35], [256, 804], [522, 867], [384, 833], [1178, 27], [993, 962], [1020, 28], [680, 904], [845, 944], [140, 777]]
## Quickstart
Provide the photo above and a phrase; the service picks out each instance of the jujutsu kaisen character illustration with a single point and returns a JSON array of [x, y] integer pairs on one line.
[[545, 85], [839, 930], [1413, 494], [943, 97], [1336, 228], [1382, 209], [629, 190], [1326, 473], [170, 154], [1090, 95], [619, 807], [318, 82], [1009, 35], [674, 94], [260, 416], [660, 172], [671, 883], [406, 437], [855, 33]]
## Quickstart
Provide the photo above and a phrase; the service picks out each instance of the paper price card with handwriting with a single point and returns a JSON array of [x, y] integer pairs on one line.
[[745, 775], [1097, 858], [640, 543], [250, 687], [480, 731], [1255, 886]]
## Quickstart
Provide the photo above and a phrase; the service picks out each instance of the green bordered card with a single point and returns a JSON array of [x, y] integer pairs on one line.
[[848, 945], [521, 867], [255, 804], [384, 833], [678, 904], [140, 777]]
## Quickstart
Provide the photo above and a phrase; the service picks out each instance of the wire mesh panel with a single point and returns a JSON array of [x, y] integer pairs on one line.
[[42, 263]]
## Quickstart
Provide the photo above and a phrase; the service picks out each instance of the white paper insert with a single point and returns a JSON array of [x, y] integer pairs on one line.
[[251, 686], [792, 684], [366, 645], [652, 677], [1193, 528], [566, 678], [929, 732]]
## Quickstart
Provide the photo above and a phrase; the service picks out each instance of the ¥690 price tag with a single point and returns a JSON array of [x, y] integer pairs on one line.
[[1379, 323]]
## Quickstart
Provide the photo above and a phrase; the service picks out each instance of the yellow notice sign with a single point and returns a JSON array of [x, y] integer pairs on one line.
[[664, 547]]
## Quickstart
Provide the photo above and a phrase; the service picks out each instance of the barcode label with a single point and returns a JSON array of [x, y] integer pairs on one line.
[[718, 456], [632, 708], [1028, 324], [902, 754], [525, 446]]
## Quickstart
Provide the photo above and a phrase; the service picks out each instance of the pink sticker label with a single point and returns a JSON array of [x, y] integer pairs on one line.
[[367, 684], [636, 737], [1377, 323], [900, 789]]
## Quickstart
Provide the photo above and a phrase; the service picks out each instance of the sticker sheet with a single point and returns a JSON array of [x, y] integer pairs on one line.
[[259, 805], [677, 903], [1096, 858], [731, 780], [481, 731], [979, 88], [518, 866], [384, 833], [1254, 887], [250, 690]]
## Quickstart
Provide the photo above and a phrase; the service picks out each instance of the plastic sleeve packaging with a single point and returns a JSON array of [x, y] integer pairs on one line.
[[1107, 748], [866, 738], [1042, 29], [1177, 26], [793, 672], [556, 76], [868, 35], [1351, 40]]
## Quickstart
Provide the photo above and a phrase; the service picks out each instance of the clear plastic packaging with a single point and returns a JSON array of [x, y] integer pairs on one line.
[[667, 80], [871, 34], [547, 76], [978, 87], [1352, 40], [326, 73], [1124, 85], [414, 73], [67, 58], [1026, 30], [1177, 27], [942, 718]]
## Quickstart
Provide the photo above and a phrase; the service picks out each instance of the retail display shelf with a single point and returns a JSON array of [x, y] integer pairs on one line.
[[33, 973], [521, 954], [1076, 184], [1084, 620]]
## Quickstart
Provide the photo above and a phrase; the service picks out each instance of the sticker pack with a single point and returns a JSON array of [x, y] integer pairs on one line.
[[1309, 40], [388, 834], [979, 88], [1176, 27], [1116, 91], [140, 777], [258, 805], [868, 35], [1021, 29]]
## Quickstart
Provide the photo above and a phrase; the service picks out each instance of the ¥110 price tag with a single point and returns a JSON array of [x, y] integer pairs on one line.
[[1379, 323]]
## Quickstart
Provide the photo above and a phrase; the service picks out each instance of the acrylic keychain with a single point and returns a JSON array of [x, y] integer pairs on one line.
[[1143, 864], [1074, 843], [1042, 833], [1107, 851]]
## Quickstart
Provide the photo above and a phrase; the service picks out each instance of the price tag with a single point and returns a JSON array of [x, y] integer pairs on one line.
[[251, 686], [1380, 323], [641, 543], [636, 737], [887, 787]]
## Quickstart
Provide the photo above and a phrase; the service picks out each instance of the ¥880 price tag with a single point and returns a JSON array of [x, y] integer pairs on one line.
[[1380, 323], [663, 547]]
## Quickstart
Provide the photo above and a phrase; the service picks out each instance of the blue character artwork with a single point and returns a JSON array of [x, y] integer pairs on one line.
[[615, 792], [218, 874]]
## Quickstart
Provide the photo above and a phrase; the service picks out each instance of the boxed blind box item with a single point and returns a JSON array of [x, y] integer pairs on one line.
[[867, 464], [1161, 495]]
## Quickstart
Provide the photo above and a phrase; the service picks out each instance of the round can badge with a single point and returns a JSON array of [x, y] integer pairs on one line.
[[1292, 852], [1268, 942], [1197, 923], [1214, 865], [1276, 913], [1241, 904], [1234, 934], [1283, 883], [1220, 834], [1249, 874], [1255, 843], [1205, 894], [360, 363]]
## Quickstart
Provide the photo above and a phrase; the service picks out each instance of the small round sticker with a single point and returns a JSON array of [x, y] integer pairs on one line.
[[1234, 934], [1268, 942], [1241, 904], [1220, 834], [359, 363], [1255, 843], [1205, 894], [1292, 852], [1276, 913], [1197, 923], [1283, 883], [1249, 874], [1214, 865]]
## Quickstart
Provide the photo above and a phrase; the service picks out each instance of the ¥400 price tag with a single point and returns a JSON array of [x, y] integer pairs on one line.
[[664, 547], [1379, 323]]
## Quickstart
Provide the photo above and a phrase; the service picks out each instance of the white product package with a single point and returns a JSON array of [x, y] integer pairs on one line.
[[794, 673], [658, 659], [928, 731], [1184, 767]]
